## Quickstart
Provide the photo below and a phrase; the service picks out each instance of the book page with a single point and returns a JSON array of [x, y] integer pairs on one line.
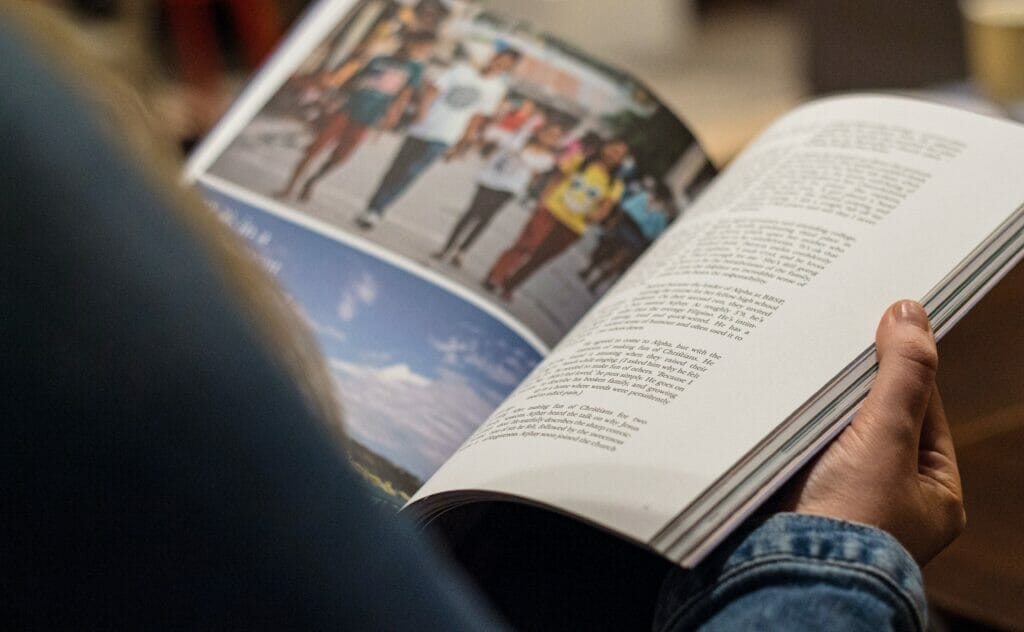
[[444, 193], [770, 288]]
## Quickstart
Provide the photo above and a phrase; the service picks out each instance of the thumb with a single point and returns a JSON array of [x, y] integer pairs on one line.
[[894, 410]]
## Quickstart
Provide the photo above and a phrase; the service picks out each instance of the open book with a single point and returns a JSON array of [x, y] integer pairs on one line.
[[531, 285]]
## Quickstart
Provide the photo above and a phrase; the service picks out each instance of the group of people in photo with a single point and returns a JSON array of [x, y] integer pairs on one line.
[[571, 175]]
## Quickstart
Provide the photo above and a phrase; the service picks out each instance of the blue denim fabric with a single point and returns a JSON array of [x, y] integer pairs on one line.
[[412, 160], [797, 572]]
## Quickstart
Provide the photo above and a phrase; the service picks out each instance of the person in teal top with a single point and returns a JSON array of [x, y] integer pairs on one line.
[[378, 94], [647, 213], [378, 85], [643, 215]]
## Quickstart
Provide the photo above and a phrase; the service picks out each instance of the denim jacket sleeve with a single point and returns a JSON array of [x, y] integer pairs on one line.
[[798, 572]]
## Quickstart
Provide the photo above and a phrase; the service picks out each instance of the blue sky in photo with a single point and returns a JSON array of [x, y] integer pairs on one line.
[[418, 368]]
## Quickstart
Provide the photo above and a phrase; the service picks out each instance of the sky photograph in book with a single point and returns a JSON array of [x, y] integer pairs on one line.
[[417, 368], [506, 160]]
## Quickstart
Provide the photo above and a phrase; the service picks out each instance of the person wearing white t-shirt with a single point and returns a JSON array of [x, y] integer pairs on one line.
[[457, 102], [506, 175]]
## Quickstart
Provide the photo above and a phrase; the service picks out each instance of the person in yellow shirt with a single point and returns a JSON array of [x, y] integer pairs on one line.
[[585, 193]]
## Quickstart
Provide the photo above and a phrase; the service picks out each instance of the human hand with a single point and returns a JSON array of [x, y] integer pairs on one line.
[[894, 466]]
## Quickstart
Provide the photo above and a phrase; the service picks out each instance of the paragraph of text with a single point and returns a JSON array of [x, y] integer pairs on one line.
[[865, 190], [881, 138], [720, 310], [653, 370], [760, 250], [591, 426]]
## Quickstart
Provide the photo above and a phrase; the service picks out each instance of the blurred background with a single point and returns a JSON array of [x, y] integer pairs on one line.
[[728, 67]]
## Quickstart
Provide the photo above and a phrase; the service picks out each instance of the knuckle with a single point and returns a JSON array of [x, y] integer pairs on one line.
[[961, 522], [955, 515], [904, 432], [920, 356]]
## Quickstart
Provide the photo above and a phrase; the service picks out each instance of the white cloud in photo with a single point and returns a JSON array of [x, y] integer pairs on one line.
[[499, 373], [366, 289], [347, 307], [451, 349], [363, 292], [320, 329], [415, 421], [330, 331], [393, 374], [507, 369]]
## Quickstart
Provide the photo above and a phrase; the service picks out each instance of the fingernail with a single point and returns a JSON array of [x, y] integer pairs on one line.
[[912, 313]]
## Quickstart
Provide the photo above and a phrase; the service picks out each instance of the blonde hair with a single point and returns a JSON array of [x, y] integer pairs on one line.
[[131, 124]]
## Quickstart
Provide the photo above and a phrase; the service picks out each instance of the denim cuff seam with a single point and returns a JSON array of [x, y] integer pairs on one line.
[[736, 574]]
